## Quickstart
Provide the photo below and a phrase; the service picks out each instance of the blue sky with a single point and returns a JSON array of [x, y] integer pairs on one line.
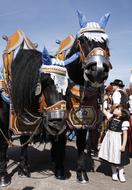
[[45, 21]]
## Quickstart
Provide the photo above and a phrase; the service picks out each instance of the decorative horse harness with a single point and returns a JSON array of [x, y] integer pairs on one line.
[[81, 114], [83, 109], [28, 123]]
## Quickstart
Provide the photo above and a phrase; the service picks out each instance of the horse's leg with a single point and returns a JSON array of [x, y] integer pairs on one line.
[[4, 176], [94, 136], [82, 176], [23, 166], [4, 126], [58, 154], [92, 147]]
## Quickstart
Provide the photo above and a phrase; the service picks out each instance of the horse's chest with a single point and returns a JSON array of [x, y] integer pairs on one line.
[[83, 108]]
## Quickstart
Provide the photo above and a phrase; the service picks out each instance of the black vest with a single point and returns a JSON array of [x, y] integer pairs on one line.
[[124, 99], [115, 125]]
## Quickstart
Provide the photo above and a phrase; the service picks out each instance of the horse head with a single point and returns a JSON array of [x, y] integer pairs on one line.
[[54, 90], [92, 65], [38, 89]]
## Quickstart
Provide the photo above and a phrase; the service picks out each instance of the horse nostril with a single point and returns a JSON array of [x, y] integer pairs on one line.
[[93, 68], [106, 67]]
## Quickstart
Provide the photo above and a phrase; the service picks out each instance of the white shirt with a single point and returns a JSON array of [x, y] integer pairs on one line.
[[105, 104], [116, 97]]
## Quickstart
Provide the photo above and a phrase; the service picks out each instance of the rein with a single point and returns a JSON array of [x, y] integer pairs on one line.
[[94, 52], [9, 142], [82, 55], [59, 106], [82, 94], [51, 124]]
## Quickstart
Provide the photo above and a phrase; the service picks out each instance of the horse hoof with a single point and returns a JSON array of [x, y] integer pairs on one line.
[[82, 177], [94, 153], [24, 172], [5, 180], [59, 174]]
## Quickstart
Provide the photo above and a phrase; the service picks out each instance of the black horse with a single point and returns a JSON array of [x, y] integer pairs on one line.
[[87, 74], [4, 124], [30, 84]]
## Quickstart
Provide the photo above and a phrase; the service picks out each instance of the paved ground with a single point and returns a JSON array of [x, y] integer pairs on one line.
[[42, 177]]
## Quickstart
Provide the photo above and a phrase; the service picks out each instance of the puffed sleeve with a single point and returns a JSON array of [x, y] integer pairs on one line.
[[125, 125]]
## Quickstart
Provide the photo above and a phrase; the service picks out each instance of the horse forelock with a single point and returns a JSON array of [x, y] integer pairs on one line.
[[25, 75]]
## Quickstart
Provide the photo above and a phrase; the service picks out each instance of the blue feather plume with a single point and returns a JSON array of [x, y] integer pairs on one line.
[[103, 21], [82, 19], [46, 60]]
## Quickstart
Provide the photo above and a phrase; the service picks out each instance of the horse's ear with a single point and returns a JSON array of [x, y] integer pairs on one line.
[[103, 21], [82, 19], [46, 60]]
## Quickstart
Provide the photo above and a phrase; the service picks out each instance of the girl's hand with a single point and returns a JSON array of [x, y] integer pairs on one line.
[[122, 148]]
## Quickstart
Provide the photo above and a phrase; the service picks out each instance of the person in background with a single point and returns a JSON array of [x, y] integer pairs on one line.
[[113, 148], [119, 97], [130, 128], [107, 101]]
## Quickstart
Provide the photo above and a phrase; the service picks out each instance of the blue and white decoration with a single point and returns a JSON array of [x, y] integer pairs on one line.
[[56, 68], [93, 30], [47, 60]]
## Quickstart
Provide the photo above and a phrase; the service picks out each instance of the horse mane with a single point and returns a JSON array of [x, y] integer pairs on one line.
[[25, 75], [75, 70]]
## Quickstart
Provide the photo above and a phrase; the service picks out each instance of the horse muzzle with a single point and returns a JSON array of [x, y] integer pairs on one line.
[[96, 70]]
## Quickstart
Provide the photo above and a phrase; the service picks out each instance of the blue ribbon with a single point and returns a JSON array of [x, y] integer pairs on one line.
[[46, 60], [72, 58], [5, 98]]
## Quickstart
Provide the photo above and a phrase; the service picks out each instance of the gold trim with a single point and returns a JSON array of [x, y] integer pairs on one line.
[[83, 30], [98, 51], [61, 105]]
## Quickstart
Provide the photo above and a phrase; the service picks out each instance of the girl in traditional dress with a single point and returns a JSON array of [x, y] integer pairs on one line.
[[113, 147]]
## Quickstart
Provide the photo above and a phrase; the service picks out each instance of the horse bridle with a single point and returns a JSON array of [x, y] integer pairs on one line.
[[96, 55], [93, 55]]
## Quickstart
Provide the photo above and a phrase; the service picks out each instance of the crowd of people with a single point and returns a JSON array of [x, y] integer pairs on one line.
[[116, 134]]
